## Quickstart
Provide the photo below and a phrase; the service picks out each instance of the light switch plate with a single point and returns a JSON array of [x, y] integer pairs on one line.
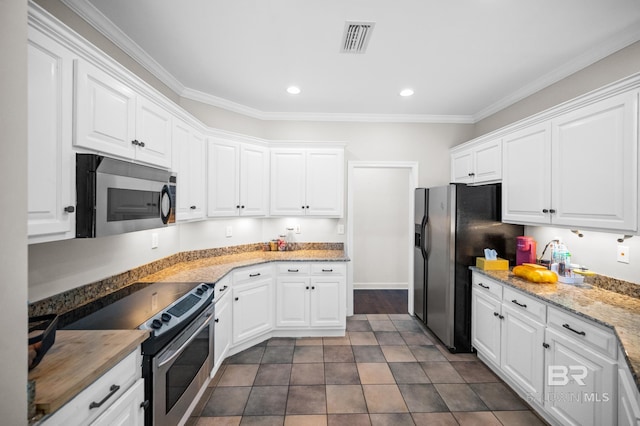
[[297, 229], [340, 229], [623, 254], [229, 232], [154, 240]]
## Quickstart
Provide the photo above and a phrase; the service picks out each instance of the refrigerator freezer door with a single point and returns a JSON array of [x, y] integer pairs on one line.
[[440, 265], [419, 253]]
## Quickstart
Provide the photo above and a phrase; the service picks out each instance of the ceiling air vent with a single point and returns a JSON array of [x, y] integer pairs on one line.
[[356, 36]]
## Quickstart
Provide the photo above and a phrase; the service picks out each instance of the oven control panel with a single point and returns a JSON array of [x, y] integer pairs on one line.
[[180, 310]]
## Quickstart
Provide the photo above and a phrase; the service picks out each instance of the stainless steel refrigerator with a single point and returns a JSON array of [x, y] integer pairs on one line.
[[453, 226]]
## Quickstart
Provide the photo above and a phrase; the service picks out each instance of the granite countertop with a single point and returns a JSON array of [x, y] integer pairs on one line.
[[211, 269], [613, 310]]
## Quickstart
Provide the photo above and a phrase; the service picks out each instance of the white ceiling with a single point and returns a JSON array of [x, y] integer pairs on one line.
[[465, 59]]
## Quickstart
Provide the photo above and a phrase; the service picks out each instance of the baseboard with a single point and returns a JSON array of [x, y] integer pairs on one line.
[[381, 286]]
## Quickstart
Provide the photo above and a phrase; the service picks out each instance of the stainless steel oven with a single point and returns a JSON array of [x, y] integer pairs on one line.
[[181, 368], [114, 196]]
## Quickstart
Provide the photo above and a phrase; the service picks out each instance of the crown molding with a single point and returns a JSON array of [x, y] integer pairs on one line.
[[625, 38], [102, 24], [208, 99]]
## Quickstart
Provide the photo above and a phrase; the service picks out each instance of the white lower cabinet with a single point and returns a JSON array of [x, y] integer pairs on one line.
[[114, 398], [564, 365], [522, 356], [252, 303], [311, 295], [223, 322], [581, 384], [127, 410], [628, 401]]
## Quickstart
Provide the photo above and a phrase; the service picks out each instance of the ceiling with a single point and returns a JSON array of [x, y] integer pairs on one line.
[[465, 59]]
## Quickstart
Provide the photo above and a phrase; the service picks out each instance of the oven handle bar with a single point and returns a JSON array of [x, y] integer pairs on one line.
[[185, 344]]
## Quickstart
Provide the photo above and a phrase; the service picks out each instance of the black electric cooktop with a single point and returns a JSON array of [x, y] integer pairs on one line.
[[127, 308]]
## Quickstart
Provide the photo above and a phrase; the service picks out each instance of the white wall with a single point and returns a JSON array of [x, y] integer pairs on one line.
[[380, 234], [596, 250], [13, 199]]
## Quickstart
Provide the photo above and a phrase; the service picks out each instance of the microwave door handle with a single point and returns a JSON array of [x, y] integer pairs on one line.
[[185, 344]]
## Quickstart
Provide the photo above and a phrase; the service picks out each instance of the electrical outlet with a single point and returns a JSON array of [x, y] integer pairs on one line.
[[623, 254], [154, 240], [229, 232], [340, 229], [297, 229]]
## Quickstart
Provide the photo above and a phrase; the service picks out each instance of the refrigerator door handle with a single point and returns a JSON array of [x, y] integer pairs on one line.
[[426, 239]]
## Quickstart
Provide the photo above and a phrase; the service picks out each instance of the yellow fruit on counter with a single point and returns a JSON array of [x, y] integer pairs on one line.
[[535, 273]]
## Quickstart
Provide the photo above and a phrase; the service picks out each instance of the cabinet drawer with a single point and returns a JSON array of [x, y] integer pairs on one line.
[[293, 269], [253, 273], [328, 269], [489, 286], [78, 411], [525, 304], [592, 335]]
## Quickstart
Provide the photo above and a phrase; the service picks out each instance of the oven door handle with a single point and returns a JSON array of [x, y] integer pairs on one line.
[[185, 344]]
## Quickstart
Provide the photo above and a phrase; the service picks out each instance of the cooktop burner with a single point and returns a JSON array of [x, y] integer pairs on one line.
[[127, 308]]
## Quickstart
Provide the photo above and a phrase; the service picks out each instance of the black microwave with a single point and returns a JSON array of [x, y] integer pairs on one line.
[[115, 196]]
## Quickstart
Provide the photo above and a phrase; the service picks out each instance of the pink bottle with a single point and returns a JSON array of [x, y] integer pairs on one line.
[[525, 250]]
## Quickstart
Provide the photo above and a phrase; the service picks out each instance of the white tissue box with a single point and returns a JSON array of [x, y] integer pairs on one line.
[[492, 265]]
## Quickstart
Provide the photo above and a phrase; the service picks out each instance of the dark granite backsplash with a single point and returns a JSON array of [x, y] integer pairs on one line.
[[72, 299]]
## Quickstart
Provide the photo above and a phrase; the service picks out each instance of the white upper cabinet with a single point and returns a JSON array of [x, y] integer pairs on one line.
[[307, 182], [579, 169], [112, 119], [189, 164], [526, 179], [595, 162], [238, 179], [51, 165], [479, 163]]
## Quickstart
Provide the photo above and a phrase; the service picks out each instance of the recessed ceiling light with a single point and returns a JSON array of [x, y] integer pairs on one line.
[[293, 90], [406, 92]]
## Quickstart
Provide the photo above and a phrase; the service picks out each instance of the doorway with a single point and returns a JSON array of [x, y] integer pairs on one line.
[[380, 229]]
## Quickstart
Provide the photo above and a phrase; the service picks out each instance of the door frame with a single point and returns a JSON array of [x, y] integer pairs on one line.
[[412, 166]]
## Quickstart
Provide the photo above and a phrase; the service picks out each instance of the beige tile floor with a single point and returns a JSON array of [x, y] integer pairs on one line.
[[387, 370]]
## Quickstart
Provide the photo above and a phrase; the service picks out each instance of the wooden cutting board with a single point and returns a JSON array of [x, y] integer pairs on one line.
[[77, 359]]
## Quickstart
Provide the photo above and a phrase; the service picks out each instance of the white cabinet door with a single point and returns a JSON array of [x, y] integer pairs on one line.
[[153, 133], [188, 162], [105, 112], [522, 353], [595, 165], [223, 178], [485, 325], [480, 163], [328, 308], [628, 407], [487, 164], [324, 182], [254, 180], [127, 410], [288, 185], [580, 386], [252, 309], [292, 301], [223, 327], [51, 164], [526, 176], [112, 119], [462, 167]]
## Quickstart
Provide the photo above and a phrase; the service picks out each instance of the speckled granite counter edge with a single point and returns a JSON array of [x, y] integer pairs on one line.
[[606, 283], [71, 299]]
